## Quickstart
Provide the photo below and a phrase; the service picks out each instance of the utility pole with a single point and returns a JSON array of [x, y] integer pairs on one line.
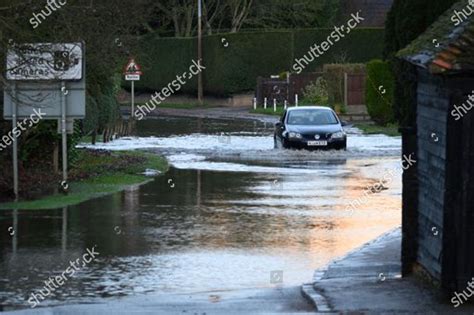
[[200, 88]]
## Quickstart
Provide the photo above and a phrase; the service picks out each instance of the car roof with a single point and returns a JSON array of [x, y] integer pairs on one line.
[[309, 107]]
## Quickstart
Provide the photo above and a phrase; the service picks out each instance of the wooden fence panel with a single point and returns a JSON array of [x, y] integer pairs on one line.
[[355, 93]]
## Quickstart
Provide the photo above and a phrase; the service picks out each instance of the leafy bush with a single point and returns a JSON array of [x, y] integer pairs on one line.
[[316, 93], [379, 91], [339, 108], [284, 75]]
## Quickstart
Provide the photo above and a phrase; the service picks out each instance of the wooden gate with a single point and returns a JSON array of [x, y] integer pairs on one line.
[[271, 89], [354, 89]]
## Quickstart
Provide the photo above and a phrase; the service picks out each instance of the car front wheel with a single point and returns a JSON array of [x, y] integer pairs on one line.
[[285, 144]]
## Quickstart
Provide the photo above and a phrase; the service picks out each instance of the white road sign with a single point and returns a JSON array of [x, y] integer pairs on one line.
[[45, 61], [132, 77]]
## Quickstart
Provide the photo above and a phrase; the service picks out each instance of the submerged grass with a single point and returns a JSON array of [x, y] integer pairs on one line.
[[268, 111], [372, 129], [96, 174]]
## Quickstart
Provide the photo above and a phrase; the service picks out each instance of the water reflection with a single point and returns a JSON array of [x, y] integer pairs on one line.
[[211, 223], [211, 230]]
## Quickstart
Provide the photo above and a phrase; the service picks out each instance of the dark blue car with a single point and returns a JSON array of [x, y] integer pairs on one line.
[[310, 128]]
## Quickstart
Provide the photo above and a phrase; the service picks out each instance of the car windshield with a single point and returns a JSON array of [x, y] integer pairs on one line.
[[311, 117]]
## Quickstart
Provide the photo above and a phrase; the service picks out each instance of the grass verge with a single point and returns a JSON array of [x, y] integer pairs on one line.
[[268, 111], [179, 105], [96, 174], [389, 130]]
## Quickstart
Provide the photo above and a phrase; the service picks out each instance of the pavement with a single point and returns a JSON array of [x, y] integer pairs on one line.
[[368, 281], [277, 300]]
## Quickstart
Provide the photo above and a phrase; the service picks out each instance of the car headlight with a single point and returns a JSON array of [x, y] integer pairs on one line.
[[338, 135], [295, 135]]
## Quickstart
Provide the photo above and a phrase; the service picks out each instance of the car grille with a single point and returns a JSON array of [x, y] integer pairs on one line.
[[324, 136]]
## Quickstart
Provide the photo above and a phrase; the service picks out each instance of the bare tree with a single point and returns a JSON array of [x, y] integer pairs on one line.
[[213, 15], [239, 11], [181, 13]]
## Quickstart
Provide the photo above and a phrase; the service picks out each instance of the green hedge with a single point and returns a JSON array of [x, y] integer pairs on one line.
[[235, 68], [162, 59], [360, 46], [380, 89]]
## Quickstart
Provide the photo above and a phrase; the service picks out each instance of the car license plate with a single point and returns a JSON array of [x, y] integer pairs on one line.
[[317, 143]]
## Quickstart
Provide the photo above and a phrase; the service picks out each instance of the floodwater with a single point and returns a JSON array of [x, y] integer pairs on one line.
[[232, 213]]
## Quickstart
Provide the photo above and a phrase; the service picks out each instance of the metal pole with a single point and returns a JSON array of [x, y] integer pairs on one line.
[[64, 231], [133, 100], [15, 231], [64, 130], [200, 88], [15, 142], [345, 89]]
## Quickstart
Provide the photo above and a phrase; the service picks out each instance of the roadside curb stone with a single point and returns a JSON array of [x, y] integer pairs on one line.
[[314, 293], [368, 281], [317, 299]]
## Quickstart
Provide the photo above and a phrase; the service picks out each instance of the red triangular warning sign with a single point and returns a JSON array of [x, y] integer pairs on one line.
[[132, 68]]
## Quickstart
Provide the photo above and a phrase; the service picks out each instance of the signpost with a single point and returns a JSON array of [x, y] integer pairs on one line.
[[132, 73], [47, 77]]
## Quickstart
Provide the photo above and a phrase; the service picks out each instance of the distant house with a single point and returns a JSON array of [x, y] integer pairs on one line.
[[373, 11], [438, 195]]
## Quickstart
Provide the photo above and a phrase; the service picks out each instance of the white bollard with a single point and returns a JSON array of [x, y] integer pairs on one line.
[[296, 100], [286, 104], [265, 103], [274, 105], [254, 103]]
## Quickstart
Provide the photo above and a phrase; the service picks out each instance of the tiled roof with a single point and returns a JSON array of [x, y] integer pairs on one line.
[[444, 47]]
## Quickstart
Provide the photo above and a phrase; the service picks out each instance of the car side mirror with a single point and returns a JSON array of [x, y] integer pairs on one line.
[[344, 123]]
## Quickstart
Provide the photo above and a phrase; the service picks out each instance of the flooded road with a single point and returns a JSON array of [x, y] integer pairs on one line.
[[232, 213]]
